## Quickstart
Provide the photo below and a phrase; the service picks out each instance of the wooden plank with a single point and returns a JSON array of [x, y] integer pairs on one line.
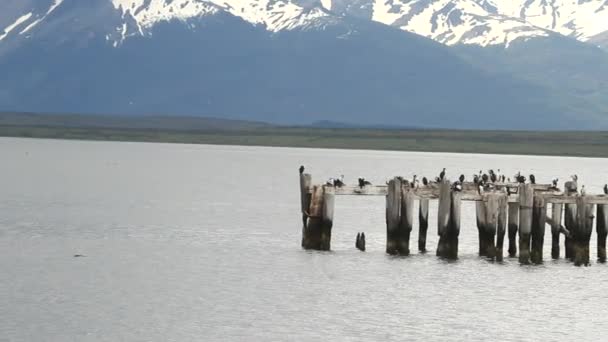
[[328, 218], [407, 221], [312, 232], [432, 192], [570, 223]]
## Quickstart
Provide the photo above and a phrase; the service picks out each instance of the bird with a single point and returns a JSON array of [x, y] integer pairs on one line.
[[572, 185], [339, 182], [532, 179], [425, 181], [476, 179], [493, 176], [301, 169], [484, 178], [605, 189], [457, 186], [583, 191], [554, 183], [442, 174], [415, 181], [461, 178], [330, 182], [363, 182]]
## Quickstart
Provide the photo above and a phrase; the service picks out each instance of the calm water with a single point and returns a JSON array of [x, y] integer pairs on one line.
[[201, 243]]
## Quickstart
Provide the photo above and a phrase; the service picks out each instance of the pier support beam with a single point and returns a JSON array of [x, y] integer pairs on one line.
[[489, 222], [513, 227], [407, 220], [570, 222], [448, 222], [317, 231], [399, 219], [556, 222], [305, 182], [584, 225], [423, 221], [501, 227], [602, 231], [480, 214], [539, 216], [526, 200]]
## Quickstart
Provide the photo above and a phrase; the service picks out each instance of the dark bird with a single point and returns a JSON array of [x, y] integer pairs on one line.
[[476, 179], [339, 182], [425, 181], [442, 174], [457, 186], [493, 176], [363, 182], [301, 169], [605, 189], [554, 183], [532, 179], [485, 178], [461, 178]]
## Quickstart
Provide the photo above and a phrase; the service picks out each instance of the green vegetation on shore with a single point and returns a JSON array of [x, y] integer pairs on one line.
[[592, 144]]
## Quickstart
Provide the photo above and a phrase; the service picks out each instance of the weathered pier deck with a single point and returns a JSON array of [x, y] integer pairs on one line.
[[517, 210]]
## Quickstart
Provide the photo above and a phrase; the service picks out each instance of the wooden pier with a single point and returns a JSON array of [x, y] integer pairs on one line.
[[517, 210]]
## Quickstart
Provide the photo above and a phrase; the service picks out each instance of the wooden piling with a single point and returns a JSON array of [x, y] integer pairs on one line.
[[584, 227], [501, 227], [602, 231], [526, 198], [407, 220], [317, 233], [423, 221], [394, 233], [556, 222], [305, 182], [480, 212], [513, 227], [570, 223], [489, 224], [539, 215], [451, 245], [448, 222], [443, 216]]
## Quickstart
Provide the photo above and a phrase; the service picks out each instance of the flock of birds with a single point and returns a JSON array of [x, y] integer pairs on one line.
[[484, 181]]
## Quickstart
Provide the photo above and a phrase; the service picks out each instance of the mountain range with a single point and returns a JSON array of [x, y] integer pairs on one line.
[[517, 64]]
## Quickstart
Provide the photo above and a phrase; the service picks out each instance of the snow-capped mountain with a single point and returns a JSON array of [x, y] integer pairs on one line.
[[483, 22]]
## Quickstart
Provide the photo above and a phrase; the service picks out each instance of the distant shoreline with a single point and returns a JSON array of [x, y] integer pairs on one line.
[[226, 132]]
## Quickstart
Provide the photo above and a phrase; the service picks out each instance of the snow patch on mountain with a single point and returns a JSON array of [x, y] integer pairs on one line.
[[453, 21], [17, 22], [275, 15]]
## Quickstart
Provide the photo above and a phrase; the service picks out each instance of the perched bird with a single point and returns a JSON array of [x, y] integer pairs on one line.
[[363, 182], [330, 182], [502, 178], [442, 174], [493, 176], [605, 189], [519, 178], [457, 186], [583, 191], [339, 182], [532, 179], [572, 185], [415, 181], [476, 179], [461, 178], [301, 169], [425, 181], [485, 178], [554, 183]]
